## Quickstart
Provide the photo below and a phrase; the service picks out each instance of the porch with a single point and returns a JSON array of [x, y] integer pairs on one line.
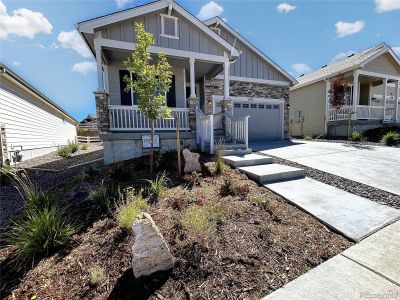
[[372, 96]]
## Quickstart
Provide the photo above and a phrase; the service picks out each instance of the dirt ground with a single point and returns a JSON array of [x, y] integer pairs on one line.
[[251, 252]]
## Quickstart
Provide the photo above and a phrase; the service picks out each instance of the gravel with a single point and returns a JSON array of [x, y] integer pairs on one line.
[[355, 143], [347, 185]]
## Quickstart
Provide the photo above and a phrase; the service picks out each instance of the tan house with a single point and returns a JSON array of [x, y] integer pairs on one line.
[[373, 100]]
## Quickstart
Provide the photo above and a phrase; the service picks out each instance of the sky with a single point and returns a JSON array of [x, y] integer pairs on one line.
[[38, 40]]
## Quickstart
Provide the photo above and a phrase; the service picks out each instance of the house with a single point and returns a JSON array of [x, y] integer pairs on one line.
[[31, 124], [222, 86], [373, 99], [89, 123]]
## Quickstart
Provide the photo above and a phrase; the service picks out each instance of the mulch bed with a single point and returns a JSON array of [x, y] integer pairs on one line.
[[233, 262]]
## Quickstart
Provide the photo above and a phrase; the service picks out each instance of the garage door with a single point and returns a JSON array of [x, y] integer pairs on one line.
[[264, 121]]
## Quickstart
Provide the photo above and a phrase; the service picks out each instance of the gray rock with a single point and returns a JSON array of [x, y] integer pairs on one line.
[[150, 251]]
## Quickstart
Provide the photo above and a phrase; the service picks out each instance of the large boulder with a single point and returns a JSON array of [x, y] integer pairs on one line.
[[192, 163], [150, 251]]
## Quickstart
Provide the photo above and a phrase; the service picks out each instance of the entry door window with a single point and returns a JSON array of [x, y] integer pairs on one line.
[[126, 97], [171, 95]]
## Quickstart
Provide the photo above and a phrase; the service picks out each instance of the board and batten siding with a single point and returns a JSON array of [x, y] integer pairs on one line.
[[28, 125], [311, 102], [249, 64], [191, 38]]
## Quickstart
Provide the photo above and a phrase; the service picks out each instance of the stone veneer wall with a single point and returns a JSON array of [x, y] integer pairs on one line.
[[248, 89], [103, 117]]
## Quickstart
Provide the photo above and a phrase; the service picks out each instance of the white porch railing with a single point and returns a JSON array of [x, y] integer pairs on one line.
[[237, 128], [340, 114], [130, 118], [204, 130], [361, 112]]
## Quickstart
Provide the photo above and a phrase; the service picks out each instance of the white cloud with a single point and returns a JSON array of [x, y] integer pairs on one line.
[[301, 68], [16, 63], [122, 3], [72, 40], [210, 10], [341, 55], [387, 5], [344, 29], [285, 7], [396, 50], [84, 67], [23, 22]]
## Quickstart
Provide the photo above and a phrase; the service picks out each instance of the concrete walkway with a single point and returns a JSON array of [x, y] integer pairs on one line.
[[368, 270]]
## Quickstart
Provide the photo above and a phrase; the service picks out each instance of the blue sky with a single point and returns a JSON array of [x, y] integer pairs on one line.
[[37, 39]]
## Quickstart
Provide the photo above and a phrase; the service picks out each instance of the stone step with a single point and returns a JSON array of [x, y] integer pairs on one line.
[[238, 152], [272, 173], [247, 160]]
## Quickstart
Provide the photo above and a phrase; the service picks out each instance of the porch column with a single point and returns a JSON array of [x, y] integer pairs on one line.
[[226, 79], [355, 90], [192, 78], [100, 85], [396, 97], [385, 80], [369, 93]]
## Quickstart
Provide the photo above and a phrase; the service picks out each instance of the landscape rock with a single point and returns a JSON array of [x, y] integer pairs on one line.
[[79, 194], [150, 251], [191, 161]]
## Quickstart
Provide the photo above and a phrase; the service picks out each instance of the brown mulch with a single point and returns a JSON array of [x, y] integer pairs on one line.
[[53, 161], [233, 262]]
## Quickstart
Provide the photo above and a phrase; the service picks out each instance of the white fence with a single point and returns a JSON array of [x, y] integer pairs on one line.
[[237, 128], [360, 112], [204, 130], [88, 139], [130, 118]]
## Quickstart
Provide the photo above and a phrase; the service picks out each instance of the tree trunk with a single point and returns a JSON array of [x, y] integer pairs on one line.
[[151, 148]]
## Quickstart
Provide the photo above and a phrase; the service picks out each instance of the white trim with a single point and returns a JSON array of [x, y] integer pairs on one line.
[[176, 36], [255, 80], [386, 49], [89, 26], [380, 75], [192, 78], [113, 44], [251, 46]]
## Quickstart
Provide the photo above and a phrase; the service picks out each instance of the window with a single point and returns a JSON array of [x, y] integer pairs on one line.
[[237, 105], [169, 26], [276, 106], [268, 106], [261, 106], [253, 105], [245, 105]]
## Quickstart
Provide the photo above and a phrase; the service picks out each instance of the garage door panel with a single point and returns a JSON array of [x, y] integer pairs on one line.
[[264, 121]]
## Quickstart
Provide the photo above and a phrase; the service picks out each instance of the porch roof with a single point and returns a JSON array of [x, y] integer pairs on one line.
[[349, 63]]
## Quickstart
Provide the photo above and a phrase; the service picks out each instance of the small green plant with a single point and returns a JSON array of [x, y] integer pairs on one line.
[[157, 186], [308, 138], [218, 157], [64, 151], [128, 208], [100, 198], [391, 138], [263, 231], [356, 136], [73, 147], [40, 201], [40, 233], [259, 201], [227, 187], [84, 147], [97, 275], [203, 220]]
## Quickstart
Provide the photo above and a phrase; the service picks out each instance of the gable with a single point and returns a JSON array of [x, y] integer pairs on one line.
[[385, 64], [190, 37]]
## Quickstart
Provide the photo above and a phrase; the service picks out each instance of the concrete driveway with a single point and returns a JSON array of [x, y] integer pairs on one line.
[[376, 166]]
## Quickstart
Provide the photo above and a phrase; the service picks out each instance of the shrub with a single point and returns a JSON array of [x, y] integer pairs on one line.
[[202, 220], [64, 151], [40, 201], [218, 158], [120, 171], [40, 233], [259, 201], [100, 198], [73, 147], [356, 136], [308, 137], [391, 138], [85, 147], [129, 208], [157, 186], [263, 231], [193, 179], [97, 275], [227, 187]]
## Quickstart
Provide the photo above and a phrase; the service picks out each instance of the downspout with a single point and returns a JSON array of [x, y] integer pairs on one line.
[[326, 106]]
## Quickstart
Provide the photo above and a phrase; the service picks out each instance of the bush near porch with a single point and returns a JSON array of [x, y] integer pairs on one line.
[[255, 241]]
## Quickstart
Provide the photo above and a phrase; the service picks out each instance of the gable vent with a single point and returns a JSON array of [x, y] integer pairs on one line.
[[169, 26]]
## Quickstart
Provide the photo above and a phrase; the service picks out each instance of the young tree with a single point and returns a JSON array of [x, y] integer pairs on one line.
[[151, 80], [337, 94]]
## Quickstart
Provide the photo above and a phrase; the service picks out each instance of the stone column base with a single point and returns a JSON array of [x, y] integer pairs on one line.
[[192, 103], [103, 117]]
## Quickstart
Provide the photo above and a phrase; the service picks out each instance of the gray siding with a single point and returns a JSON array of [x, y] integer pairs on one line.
[[249, 64], [191, 38]]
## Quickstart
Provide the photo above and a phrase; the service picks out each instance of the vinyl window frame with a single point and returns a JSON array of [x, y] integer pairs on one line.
[[176, 36]]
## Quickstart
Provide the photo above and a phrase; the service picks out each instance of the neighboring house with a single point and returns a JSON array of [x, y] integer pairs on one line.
[[219, 79], [89, 123], [31, 124], [373, 100]]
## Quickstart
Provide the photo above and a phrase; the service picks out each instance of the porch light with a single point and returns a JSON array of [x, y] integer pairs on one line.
[[287, 105]]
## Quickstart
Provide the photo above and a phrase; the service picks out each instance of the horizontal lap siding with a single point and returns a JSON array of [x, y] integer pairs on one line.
[[30, 126], [191, 38], [383, 64]]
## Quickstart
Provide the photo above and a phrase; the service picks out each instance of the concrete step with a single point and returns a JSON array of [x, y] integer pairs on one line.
[[237, 152], [247, 160], [272, 173]]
